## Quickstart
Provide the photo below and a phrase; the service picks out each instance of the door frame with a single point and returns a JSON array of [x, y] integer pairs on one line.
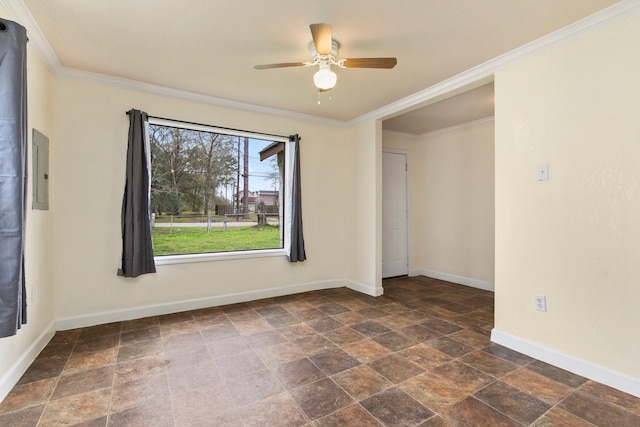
[[408, 204]]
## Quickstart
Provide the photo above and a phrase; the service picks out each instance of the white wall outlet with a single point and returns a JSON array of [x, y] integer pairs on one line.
[[541, 303], [543, 172]]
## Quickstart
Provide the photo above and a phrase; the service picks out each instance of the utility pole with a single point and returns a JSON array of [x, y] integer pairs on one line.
[[237, 207], [245, 208]]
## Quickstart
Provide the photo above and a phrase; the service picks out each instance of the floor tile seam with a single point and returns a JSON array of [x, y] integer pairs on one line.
[[98, 336], [44, 408], [474, 348], [390, 386], [234, 321], [53, 390], [171, 403], [44, 403], [438, 412], [473, 396], [256, 353], [75, 395], [288, 392], [157, 324], [397, 387], [563, 410], [111, 412], [355, 402], [330, 375], [368, 364], [238, 408], [524, 365], [353, 399], [583, 385], [300, 385], [574, 391], [350, 342], [524, 368], [164, 373], [447, 380], [510, 417], [495, 377], [113, 379], [60, 377]]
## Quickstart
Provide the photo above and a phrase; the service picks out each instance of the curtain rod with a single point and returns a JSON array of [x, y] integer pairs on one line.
[[218, 127]]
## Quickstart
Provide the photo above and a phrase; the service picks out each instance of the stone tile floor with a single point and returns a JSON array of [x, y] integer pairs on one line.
[[418, 356]]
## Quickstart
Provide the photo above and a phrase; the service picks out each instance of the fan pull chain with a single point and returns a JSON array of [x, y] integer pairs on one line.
[[330, 95]]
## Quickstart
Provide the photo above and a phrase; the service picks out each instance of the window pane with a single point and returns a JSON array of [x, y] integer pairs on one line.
[[210, 192]]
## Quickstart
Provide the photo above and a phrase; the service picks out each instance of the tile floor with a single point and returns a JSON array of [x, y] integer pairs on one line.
[[418, 356]]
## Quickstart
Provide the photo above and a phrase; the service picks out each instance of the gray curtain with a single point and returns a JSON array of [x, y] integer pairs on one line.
[[137, 247], [13, 175], [296, 252]]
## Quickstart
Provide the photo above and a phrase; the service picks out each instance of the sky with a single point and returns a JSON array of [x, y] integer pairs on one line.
[[258, 169]]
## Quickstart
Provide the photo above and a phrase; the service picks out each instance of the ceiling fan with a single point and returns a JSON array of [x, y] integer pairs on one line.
[[324, 51]]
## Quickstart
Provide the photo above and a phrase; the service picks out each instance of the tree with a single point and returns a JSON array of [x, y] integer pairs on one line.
[[274, 174], [167, 166], [215, 162], [187, 167]]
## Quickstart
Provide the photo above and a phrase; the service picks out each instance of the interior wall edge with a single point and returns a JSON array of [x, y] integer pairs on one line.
[[601, 374], [459, 280], [484, 73], [371, 290], [138, 312], [15, 372]]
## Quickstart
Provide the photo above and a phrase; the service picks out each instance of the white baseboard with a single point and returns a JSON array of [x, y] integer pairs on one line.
[[13, 375], [194, 304], [598, 373], [362, 288], [474, 283]]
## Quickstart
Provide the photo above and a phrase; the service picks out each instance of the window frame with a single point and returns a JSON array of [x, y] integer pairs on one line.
[[286, 201]]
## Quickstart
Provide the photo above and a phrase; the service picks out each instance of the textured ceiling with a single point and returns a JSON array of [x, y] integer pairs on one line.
[[210, 47]]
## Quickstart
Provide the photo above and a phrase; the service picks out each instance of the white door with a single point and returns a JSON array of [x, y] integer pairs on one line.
[[395, 260]]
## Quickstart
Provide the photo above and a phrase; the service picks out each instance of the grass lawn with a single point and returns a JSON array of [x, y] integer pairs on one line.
[[194, 240]]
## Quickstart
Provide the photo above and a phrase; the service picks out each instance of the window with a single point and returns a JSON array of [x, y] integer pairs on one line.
[[215, 190]]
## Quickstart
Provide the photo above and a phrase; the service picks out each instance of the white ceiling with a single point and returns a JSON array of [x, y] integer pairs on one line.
[[210, 47], [468, 106]]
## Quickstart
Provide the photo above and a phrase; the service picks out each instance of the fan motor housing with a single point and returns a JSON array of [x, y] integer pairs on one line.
[[335, 47]]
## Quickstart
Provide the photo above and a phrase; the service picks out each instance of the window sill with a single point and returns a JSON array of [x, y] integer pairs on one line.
[[221, 256]]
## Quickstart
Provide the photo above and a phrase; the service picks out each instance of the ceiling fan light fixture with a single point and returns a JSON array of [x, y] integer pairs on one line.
[[324, 53], [324, 78]]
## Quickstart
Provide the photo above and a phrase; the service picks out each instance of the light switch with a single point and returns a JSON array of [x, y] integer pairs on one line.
[[543, 172]]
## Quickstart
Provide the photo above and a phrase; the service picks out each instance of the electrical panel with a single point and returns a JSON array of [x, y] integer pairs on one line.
[[40, 177]]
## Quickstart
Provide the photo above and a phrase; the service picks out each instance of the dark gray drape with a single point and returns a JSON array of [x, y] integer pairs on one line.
[[137, 247], [13, 175], [296, 252]]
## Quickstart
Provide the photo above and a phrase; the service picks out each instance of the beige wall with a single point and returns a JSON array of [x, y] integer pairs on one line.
[[451, 175], [39, 241], [573, 238], [364, 210], [75, 247], [91, 126]]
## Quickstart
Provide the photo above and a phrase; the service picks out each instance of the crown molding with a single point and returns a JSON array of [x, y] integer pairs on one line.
[[475, 76], [19, 12], [129, 84], [484, 72]]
